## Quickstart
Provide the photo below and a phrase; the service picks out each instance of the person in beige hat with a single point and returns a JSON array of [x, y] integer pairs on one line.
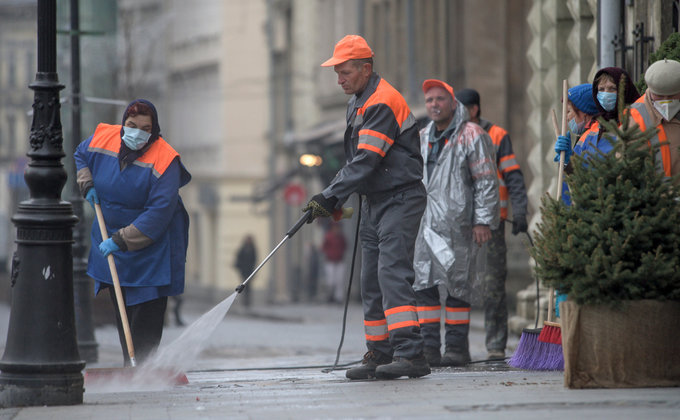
[[385, 167], [660, 107]]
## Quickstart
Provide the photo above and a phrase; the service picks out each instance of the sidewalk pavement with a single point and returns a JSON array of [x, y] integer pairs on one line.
[[267, 361]]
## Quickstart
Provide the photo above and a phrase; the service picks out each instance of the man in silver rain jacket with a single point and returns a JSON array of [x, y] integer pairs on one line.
[[463, 205]]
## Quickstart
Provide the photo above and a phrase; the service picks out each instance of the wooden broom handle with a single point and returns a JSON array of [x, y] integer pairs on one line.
[[560, 166], [116, 288]]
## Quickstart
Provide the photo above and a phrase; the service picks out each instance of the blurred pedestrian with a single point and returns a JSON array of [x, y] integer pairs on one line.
[[463, 208], [385, 167], [333, 248], [135, 175], [310, 255], [511, 191], [246, 258]]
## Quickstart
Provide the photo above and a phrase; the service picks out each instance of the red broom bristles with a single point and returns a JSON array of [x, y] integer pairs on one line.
[[551, 333]]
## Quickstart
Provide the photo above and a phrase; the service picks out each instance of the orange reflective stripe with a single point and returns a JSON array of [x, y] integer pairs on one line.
[[401, 317], [377, 337], [377, 134], [429, 308], [663, 154], [450, 309], [503, 193], [403, 324], [457, 316], [400, 309], [429, 314], [665, 150], [376, 330], [457, 321], [371, 148], [513, 165]]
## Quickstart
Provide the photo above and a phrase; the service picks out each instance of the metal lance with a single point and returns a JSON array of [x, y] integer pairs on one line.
[[41, 364]]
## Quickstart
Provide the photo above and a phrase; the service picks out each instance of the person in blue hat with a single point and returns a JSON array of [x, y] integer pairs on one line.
[[581, 109], [581, 113]]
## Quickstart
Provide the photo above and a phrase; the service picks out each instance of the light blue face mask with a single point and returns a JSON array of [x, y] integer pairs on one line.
[[135, 138], [607, 100], [577, 128]]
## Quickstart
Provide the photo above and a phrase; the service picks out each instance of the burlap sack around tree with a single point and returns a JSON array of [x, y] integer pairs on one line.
[[637, 345]]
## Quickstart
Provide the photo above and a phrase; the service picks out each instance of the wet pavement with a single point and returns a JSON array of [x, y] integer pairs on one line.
[[271, 361]]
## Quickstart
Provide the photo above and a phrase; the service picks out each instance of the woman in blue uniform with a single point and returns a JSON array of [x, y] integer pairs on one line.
[[135, 176]]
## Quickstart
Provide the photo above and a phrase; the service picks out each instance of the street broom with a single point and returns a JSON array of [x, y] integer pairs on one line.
[[541, 348]]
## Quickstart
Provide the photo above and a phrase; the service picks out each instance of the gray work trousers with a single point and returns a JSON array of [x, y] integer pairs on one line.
[[456, 335], [495, 304], [389, 226]]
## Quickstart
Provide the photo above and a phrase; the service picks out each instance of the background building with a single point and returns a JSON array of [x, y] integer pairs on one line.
[[241, 96]]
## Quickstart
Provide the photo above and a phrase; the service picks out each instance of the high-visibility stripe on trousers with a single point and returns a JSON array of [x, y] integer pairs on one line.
[[399, 317], [376, 330], [456, 319], [429, 314], [457, 316], [389, 225]]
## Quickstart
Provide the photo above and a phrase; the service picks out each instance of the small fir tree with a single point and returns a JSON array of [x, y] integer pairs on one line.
[[620, 238]]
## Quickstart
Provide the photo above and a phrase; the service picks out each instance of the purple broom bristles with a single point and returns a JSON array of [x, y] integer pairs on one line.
[[552, 357], [524, 353], [533, 354]]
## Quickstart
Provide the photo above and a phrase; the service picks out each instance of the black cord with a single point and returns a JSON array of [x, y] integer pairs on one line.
[[349, 290]]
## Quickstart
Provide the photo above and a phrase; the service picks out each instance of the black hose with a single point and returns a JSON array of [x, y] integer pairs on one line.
[[349, 290]]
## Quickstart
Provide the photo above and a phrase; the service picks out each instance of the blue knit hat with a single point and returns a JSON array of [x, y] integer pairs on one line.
[[582, 98]]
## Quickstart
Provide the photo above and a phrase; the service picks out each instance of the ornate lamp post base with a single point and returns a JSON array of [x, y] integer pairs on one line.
[[41, 364], [25, 390]]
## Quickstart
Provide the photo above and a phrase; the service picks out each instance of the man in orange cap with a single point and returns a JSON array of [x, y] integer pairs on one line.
[[385, 167], [463, 207]]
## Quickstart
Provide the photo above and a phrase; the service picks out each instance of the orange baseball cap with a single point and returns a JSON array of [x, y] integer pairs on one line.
[[430, 83], [349, 48]]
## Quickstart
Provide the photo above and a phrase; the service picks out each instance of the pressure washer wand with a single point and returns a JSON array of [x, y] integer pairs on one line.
[[344, 213]]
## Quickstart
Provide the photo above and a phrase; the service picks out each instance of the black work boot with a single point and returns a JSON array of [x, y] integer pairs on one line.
[[372, 359], [432, 355], [401, 366], [455, 357]]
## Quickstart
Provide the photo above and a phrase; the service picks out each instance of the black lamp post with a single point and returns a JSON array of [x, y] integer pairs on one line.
[[41, 364]]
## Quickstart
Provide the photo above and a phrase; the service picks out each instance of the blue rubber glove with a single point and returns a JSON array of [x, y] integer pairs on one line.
[[107, 247], [91, 196], [563, 144]]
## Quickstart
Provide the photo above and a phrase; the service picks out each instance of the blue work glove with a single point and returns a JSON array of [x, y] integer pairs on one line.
[[107, 247], [563, 144], [91, 196]]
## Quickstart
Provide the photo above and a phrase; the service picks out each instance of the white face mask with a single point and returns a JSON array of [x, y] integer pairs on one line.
[[668, 108]]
